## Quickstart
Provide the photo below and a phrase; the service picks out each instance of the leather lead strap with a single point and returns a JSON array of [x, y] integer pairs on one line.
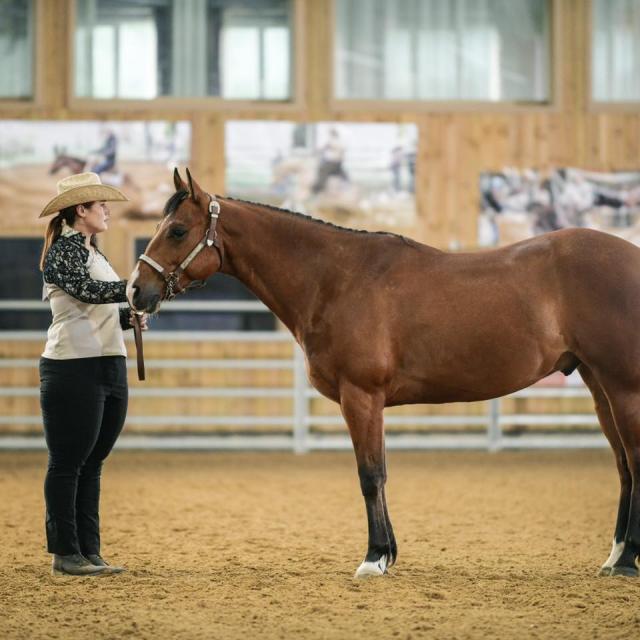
[[137, 334]]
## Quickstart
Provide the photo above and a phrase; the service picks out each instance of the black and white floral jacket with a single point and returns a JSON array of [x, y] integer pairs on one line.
[[66, 266]]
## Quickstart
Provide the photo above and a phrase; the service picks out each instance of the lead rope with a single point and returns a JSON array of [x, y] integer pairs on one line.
[[137, 334]]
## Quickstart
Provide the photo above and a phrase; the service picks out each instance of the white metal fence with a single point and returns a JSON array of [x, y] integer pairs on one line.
[[298, 429]]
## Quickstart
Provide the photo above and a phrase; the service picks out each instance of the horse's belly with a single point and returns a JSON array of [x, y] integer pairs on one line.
[[468, 372], [433, 392]]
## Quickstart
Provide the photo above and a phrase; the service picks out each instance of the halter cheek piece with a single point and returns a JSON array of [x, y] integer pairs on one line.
[[172, 279]]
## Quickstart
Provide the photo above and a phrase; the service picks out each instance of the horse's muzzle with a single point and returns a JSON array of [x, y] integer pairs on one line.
[[143, 300], [143, 295]]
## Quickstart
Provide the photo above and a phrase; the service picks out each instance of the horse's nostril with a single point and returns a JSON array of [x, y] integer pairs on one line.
[[149, 304], [143, 299]]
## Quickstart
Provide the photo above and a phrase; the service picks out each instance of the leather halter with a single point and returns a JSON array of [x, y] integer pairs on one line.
[[172, 279]]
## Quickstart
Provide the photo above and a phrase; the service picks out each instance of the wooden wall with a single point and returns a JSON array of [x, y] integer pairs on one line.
[[457, 142]]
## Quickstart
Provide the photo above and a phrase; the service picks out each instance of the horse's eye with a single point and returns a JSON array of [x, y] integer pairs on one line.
[[177, 232]]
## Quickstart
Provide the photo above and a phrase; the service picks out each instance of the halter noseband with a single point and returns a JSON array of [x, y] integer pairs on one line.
[[210, 239]]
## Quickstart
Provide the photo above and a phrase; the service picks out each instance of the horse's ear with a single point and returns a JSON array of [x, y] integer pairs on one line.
[[194, 187], [178, 182]]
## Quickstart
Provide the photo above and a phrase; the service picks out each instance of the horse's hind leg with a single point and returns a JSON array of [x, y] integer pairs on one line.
[[363, 413], [608, 425], [624, 399]]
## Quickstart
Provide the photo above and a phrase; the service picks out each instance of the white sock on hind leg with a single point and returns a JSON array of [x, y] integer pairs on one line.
[[372, 569]]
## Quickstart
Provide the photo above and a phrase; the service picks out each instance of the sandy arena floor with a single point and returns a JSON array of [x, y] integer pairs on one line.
[[262, 545]]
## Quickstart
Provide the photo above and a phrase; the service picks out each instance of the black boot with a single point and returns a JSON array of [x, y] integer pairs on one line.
[[99, 561], [75, 565]]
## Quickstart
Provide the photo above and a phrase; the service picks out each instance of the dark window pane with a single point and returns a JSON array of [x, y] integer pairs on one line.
[[21, 276], [189, 48], [25, 320], [615, 51], [488, 50], [16, 48], [212, 321]]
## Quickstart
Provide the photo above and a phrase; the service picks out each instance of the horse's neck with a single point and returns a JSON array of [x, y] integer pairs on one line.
[[281, 258]]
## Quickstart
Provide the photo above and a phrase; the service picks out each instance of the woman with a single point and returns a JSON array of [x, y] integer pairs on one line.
[[83, 375]]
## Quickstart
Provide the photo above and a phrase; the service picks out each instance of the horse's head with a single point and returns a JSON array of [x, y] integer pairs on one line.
[[184, 250]]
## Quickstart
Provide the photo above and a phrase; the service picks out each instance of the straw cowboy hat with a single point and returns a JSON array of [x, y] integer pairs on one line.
[[80, 188]]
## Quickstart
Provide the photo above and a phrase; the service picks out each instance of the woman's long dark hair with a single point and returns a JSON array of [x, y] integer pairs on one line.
[[54, 229]]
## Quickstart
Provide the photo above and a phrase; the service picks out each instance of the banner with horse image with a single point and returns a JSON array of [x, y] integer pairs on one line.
[[352, 174], [135, 156], [517, 204]]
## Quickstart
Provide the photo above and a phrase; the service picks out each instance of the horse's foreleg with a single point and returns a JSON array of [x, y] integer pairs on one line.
[[393, 546], [605, 417], [625, 406], [363, 413]]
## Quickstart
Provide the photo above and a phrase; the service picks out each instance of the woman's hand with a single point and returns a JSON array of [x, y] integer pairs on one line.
[[144, 320]]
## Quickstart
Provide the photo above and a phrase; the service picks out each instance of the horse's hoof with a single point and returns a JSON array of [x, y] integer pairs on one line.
[[372, 569], [629, 572], [604, 571]]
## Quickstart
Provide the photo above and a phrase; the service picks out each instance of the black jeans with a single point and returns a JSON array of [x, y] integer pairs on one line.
[[84, 405]]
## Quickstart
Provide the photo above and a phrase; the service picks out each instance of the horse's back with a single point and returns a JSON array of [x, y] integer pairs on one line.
[[570, 257], [456, 320]]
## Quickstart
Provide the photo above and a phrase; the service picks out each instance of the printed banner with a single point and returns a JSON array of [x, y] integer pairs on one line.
[[134, 156], [517, 204], [352, 174]]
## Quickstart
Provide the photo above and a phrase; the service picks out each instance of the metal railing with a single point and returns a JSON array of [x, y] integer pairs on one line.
[[298, 430]]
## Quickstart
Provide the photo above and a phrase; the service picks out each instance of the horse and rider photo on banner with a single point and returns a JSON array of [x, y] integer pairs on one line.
[[358, 175], [135, 156], [517, 204]]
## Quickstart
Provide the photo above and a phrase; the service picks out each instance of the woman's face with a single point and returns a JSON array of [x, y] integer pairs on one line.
[[95, 217]]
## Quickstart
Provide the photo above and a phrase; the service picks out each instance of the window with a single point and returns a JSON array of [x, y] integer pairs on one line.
[[21, 283], [234, 49], [615, 51], [486, 50], [16, 49], [219, 287]]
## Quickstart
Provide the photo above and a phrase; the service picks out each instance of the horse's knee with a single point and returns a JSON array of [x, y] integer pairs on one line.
[[372, 480], [629, 463], [623, 469]]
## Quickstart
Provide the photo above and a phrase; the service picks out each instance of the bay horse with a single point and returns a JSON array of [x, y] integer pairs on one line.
[[62, 160], [386, 321]]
